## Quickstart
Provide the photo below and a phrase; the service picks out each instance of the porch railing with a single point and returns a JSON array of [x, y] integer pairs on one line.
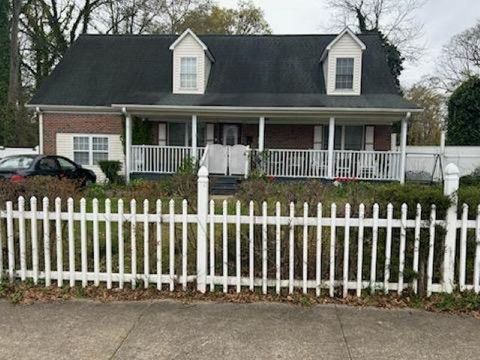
[[292, 163], [367, 165], [160, 159]]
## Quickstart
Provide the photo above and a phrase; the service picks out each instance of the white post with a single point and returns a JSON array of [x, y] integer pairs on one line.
[[128, 145], [442, 142], [194, 138], [450, 189], [403, 147], [202, 209], [261, 133], [40, 131], [331, 145]]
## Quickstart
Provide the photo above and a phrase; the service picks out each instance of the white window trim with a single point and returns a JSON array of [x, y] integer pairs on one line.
[[90, 145], [344, 91], [180, 87]]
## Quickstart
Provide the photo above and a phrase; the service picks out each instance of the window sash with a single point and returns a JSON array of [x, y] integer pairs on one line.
[[344, 74], [188, 72], [89, 150]]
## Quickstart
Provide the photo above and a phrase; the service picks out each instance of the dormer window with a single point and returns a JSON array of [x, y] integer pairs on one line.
[[344, 74], [188, 73]]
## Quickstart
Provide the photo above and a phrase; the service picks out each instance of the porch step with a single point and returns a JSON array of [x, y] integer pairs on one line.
[[224, 185]]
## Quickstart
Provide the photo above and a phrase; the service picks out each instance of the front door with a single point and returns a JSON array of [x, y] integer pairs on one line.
[[230, 135]]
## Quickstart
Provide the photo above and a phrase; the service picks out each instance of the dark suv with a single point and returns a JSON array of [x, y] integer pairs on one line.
[[18, 167]]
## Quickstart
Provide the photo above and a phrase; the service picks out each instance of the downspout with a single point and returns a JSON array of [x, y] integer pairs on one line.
[[39, 114]]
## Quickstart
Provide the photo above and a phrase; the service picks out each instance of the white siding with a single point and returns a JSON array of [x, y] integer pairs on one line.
[[346, 47], [189, 47], [115, 150]]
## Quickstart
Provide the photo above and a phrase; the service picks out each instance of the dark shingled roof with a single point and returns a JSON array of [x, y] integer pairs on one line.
[[264, 71]]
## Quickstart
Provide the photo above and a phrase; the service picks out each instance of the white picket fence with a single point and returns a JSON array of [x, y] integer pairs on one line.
[[235, 249]]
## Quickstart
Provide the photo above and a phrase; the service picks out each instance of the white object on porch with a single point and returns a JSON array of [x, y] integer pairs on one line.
[[217, 159]]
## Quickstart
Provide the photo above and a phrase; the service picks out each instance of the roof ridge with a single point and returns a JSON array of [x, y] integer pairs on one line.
[[222, 35]]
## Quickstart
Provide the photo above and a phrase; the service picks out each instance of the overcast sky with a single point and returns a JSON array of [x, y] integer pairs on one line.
[[442, 19]]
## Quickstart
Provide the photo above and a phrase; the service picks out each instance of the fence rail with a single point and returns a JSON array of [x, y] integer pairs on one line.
[[161, 159], [234, 247]]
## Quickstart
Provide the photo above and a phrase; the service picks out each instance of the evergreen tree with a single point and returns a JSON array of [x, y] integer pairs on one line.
[[463, 127]]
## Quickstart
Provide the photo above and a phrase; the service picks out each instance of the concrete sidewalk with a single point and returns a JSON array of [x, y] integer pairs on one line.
[[172, 330]]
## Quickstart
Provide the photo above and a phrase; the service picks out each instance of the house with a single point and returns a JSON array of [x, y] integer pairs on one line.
[[297, 106]]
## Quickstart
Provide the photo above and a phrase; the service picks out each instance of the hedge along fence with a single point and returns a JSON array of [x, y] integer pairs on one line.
[[231, 247]]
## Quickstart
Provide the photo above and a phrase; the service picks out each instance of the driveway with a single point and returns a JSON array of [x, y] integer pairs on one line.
[[174, 330]]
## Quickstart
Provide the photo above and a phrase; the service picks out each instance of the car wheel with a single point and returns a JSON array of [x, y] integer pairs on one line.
[[87, 183]]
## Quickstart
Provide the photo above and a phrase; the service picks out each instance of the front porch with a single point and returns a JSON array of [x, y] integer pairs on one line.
[[335, 147]]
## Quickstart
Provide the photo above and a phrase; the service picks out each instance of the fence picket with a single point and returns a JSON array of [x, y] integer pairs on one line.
[[83, 240], [403, 237], [133, 242], [318, 274], [46, 242], [361, 215], [71, 243], [121, 245], [251, 235], [463, 248], [184, 244], [108, 241], [277, 247], [96, 244], [21, 235], [264, 247], [373, 264], [332, 249], [291, 246], [212, 245], [59, 240], [416, 246], [238, 266], [10, 241], [159, 237], [34, 236], [476, 276], [225, 247], [171, 238], [346, 250], [388, 248], [305, 247], [431, 247]]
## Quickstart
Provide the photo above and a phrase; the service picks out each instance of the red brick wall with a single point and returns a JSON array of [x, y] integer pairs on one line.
[[289, 136], [54, 123], [382, 137]]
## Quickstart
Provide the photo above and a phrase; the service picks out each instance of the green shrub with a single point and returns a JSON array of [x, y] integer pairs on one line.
[[471, 179], [111, 168]]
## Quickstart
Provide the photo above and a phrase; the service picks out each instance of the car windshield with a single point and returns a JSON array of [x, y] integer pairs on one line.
[[16, 163]]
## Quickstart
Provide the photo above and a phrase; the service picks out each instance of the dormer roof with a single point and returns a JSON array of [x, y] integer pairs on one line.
[[346, 31], [197, 39]]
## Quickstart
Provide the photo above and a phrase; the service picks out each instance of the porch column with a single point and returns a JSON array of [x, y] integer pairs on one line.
[[331, 146], [128, 145], [403, 147], [261, 133], [194, 138]]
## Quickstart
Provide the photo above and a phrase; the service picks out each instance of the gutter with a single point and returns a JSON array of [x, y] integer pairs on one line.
[[261, 110]]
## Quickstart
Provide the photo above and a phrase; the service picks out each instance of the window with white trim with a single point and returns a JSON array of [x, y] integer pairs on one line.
[[188, 73], [89, 150], [344, 74]]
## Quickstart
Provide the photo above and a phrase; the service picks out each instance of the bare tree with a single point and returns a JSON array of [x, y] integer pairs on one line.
[[395, 19], [460, 59], [14, 76]]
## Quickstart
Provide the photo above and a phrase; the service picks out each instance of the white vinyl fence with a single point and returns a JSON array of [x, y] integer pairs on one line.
[[8, 151], [235, 247]]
